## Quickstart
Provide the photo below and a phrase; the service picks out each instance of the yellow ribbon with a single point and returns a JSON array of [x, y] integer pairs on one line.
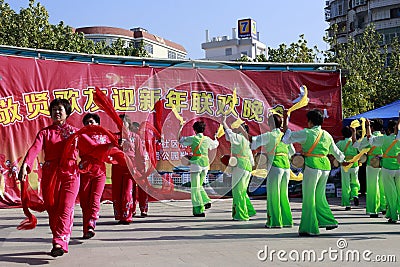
[[278, 110], [363, 129], [295, 177], [302, 103], [220, 131], [355, 159], [237, 123], [262, 173], [177, 115]]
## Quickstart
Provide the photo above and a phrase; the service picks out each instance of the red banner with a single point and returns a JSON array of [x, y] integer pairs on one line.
[[145, 94]]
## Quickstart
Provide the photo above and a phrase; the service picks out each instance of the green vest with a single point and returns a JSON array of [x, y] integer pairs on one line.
[[322, 148], [202, 151], [377, 150], [348, 152], [390, 162], [243, 154]]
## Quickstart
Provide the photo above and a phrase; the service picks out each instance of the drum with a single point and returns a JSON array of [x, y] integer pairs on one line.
[[185, 160], [229, 160], [298, 161], [261, 160], [376, 162], [233, 161], [363, 158]]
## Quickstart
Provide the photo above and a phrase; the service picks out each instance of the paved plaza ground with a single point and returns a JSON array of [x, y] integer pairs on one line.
[[170, 236]]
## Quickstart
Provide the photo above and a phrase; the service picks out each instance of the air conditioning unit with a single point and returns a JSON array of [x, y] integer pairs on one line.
[[224, 38]]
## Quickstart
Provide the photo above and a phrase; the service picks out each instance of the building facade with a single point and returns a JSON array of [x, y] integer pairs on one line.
[[244, 43], [353, 16], [155, 46]]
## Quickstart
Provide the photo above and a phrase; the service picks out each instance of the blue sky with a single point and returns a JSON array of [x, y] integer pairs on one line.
[[185, 22]]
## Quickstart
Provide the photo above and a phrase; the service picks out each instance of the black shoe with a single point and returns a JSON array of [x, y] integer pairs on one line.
[[356, 201], [123, 222], [56, 251], [391, 221], [200, 215], [383, 212], [207, 206], [143, 214], [347, 208], [331, 227], [89, 234], [373, 216], [304, 234]]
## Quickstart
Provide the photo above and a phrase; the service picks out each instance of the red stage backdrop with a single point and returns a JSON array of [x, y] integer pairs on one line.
[[27, 86]]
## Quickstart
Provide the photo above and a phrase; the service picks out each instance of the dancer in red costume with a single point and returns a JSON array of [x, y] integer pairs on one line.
[[139, 193], [122, 179], [59, 188], [93, 175]]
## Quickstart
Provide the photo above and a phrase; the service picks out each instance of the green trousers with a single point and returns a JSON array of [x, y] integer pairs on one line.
[[198, 194], [375, 192], [242, 208], [350, 185], [391, 183], [382, 195], [315, 211], [278, 207]]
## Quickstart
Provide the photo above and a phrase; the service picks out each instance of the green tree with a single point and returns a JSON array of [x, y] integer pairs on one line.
[[297, 52], [370, 80]]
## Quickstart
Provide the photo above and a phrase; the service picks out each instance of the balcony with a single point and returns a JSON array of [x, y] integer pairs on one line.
[[385, 24], [382, 3]]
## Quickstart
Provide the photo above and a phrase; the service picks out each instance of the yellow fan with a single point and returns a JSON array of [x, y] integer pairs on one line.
[[303, 100], [354, 124]]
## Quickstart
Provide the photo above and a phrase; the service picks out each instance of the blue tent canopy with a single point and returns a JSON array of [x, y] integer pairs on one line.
[[388, 112]]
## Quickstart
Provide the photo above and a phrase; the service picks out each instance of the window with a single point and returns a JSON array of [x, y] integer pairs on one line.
[[228, 51], [171, 54], [148, 48], [244, 53], [395, 13]]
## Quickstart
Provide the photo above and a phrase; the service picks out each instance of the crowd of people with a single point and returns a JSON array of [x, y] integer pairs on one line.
[[63, 178]]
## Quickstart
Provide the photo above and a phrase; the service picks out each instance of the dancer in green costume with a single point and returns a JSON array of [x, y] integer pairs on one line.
[[350, 183], [242, 208], [390, 168], [199, 165], [278, 209], [316, 212], [375, 194]]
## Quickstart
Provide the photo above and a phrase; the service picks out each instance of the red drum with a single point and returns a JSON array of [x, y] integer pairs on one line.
[[225, 159]]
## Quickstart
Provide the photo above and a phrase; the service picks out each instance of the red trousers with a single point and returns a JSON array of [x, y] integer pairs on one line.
[[141, 196], [61, 212], [123, 195], [90, 192]]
